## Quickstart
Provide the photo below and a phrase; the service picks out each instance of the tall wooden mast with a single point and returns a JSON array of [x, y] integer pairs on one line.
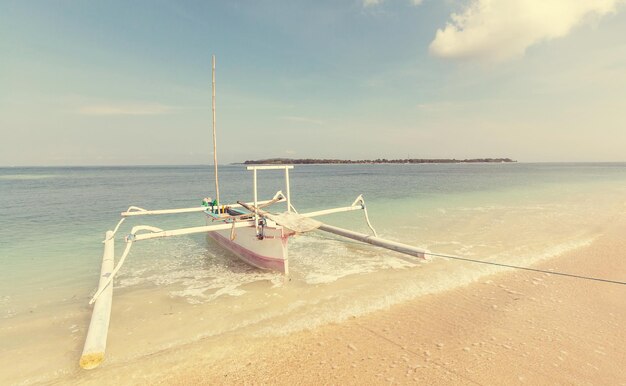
[[217, 185]]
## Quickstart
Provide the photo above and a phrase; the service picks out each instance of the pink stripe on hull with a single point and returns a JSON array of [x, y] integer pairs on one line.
[[250, 257]]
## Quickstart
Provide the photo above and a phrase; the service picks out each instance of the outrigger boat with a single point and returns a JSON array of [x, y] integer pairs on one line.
[[249, 230]]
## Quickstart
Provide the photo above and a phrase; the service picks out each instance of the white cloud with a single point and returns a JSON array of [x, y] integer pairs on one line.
[[126, 109], [499, 30]]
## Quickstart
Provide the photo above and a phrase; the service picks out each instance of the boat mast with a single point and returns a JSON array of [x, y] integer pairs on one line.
[[217, 185]]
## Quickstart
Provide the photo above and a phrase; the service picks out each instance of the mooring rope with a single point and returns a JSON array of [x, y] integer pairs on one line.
[[527, 268]]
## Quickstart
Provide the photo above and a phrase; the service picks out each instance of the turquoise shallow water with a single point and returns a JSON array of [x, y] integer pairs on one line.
[[53, 219], [52, 222]]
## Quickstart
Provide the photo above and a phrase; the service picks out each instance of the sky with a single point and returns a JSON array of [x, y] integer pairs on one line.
[[129, 82]]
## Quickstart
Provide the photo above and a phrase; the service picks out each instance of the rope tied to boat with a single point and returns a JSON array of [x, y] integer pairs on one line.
[[557, 273]]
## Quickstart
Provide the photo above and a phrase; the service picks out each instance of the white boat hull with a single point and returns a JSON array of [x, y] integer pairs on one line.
[[270, 253]]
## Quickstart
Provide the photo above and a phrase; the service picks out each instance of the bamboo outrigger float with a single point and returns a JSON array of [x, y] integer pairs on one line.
[[248, 229]]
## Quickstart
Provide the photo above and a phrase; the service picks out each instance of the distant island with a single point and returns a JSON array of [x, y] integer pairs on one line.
[[290, 161]]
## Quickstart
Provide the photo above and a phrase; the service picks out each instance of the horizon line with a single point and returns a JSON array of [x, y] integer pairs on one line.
[[242, 163]]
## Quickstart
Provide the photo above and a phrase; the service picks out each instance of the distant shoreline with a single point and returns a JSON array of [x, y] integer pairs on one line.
[[312, 161]]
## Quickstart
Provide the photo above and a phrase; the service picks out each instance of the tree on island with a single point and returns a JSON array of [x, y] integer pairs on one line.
[[305, 161]]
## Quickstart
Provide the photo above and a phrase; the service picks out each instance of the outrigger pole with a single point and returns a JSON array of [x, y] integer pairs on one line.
[[217, 185], [377, 241], [96, 342]]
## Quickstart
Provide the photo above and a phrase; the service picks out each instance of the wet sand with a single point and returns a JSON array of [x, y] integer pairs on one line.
[[515, 327]]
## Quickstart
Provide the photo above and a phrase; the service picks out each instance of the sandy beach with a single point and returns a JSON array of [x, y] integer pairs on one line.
[[514, 327]]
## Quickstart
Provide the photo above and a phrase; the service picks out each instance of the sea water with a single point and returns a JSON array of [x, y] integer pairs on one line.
[[178, 290]]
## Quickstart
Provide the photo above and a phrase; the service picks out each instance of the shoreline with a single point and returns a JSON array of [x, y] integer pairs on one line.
[[509, 327]]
